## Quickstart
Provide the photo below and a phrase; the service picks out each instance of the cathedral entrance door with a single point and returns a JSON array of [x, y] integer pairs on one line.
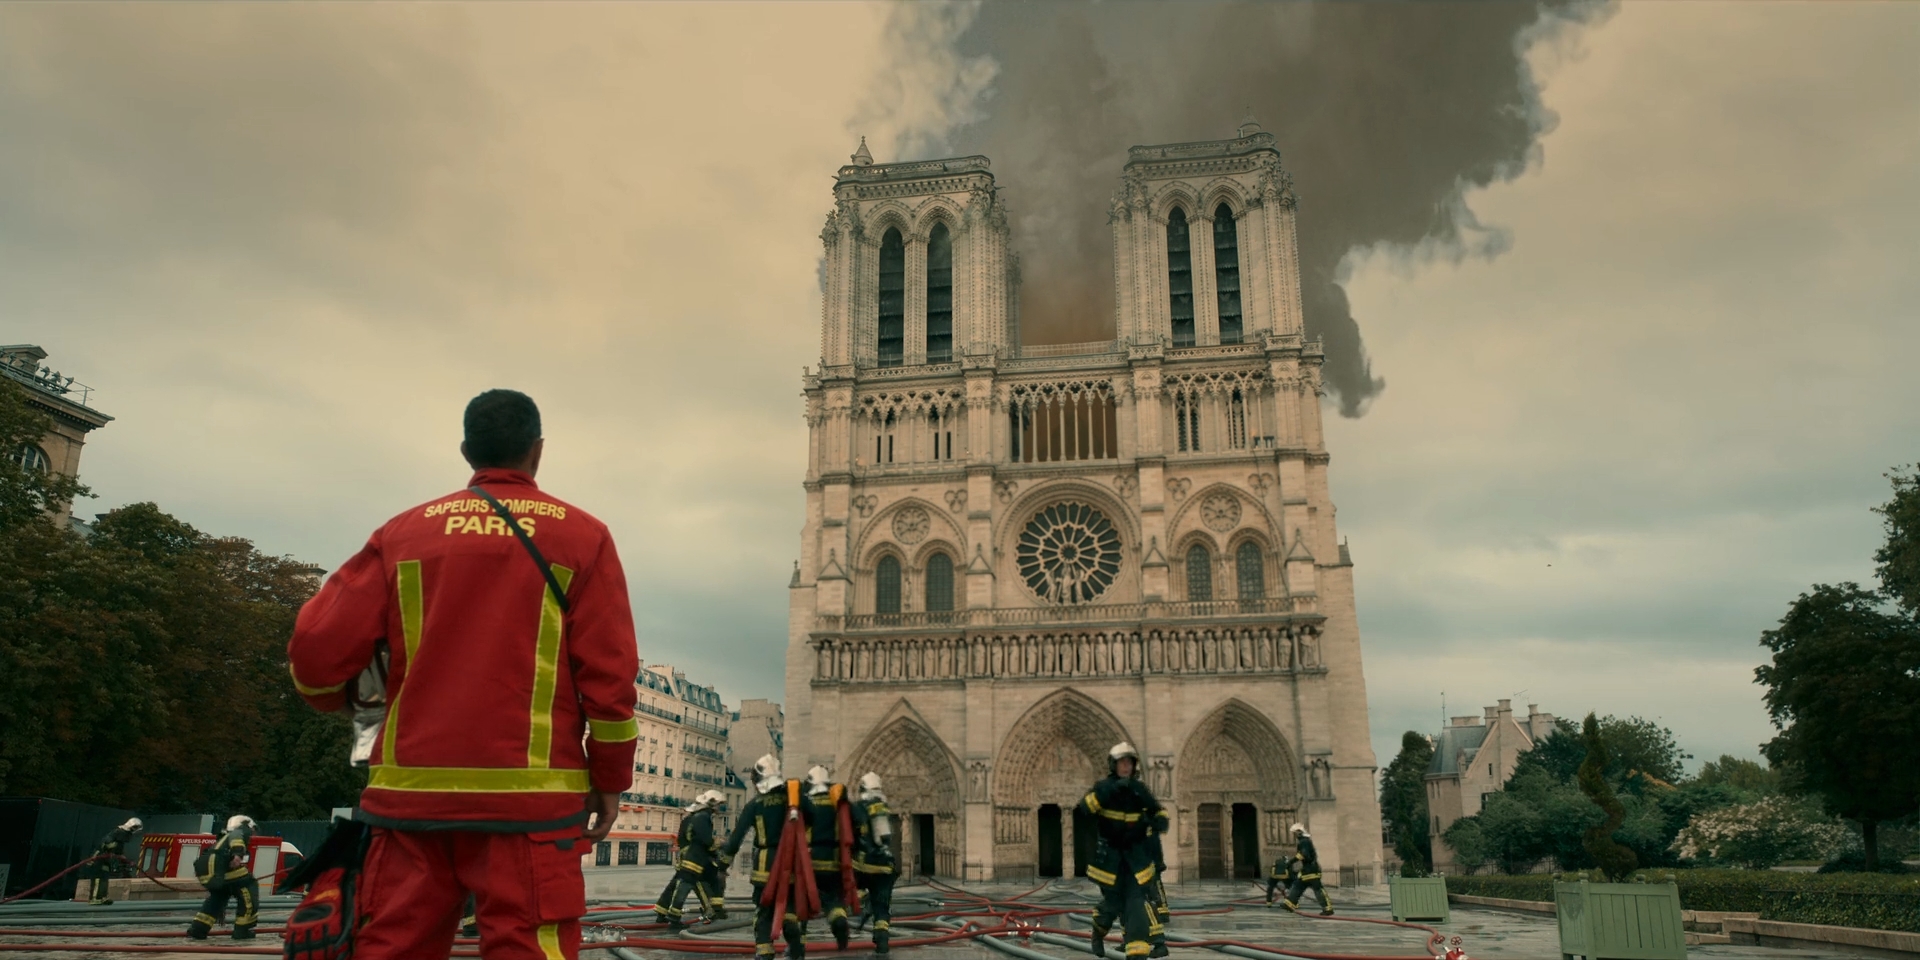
[[923, 842], [1212, 862], [1049, 837], [1246, 842], [1083, 837]]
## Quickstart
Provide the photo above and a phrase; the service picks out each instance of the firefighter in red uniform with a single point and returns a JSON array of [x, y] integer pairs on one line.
[[509, 730]]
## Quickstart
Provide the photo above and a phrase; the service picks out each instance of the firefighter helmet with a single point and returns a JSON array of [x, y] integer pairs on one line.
[[870, 786], [818, 779], [240, 821], [766, 773], [132, 825], [1122, 751], [1297, 830]]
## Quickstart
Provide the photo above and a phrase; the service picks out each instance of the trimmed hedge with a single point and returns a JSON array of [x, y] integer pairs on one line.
[[1874, 901]]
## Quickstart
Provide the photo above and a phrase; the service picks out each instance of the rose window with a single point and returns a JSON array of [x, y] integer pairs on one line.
[[1069, 553]]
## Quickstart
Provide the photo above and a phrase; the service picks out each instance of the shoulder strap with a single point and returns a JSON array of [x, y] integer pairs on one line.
[[546, 569]]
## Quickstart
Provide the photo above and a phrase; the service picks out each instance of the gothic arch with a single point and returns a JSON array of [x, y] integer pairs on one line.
[[935, 545], [1176, 193], [1237, 755], [937, 210], [877, 534], [888, 213], [1126, 585], [1052, 754], [919, 776], [1227, 192], [1183, 518]]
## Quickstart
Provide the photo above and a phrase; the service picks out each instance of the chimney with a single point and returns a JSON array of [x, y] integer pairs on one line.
[[1493, 713]]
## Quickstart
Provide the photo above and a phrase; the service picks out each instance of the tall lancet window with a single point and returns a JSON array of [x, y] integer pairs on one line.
[[1252, 570], [940, 295], [893, 299], [939, 583], [1180, 277], [886, 586], [1199, 574], [1226, 272]]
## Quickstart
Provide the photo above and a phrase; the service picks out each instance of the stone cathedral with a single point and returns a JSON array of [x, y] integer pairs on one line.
[[1016, 556]]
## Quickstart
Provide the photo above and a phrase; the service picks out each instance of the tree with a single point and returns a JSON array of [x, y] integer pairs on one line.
[[1742, 775], [1613, 859], [1762, 834], [1557, 755], [1403, 803], [1844, 691], [1639, 752], [1899, 556], [26, 495]]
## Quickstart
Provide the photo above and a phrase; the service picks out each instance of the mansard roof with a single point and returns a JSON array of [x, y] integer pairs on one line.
[[1448, 747]]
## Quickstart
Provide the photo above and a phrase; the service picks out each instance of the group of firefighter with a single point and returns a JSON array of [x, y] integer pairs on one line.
[[838, 857], [224, 869]]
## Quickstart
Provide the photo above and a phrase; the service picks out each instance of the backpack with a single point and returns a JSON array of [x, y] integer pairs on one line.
[[322, 926]]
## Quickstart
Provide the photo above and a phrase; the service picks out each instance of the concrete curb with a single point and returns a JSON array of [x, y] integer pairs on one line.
[[1713, 926]]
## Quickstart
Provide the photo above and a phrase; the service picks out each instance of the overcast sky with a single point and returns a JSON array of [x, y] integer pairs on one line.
[[287, 243]]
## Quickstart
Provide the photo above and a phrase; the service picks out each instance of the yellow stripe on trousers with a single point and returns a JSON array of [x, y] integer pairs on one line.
[[546, 669], [407, 574], [549, 937]]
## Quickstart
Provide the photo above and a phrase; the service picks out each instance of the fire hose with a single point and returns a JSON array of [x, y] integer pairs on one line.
[[997, 922]]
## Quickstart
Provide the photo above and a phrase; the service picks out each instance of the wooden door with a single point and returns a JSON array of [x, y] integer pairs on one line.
[[1213, 865]]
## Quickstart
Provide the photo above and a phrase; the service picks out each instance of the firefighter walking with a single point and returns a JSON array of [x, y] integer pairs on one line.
[[776, 807], [835, 829], [873, 862], [508, 730], [109, 861], [1124, 810], [226, 872], [698, 868], [1306, 862]]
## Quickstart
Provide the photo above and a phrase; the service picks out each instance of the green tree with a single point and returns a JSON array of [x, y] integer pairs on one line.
[[1557, 755], [1742, 775], [1613, 859], [1899, 556], [1844, 691], [1403, 803], [1639, 752]]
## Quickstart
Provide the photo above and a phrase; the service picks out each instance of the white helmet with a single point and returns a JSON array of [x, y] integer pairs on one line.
[[1298, 830], [818, 779], [1122, 750], [240, 821], [766, 773], [714, 798], [133, 825], [870, 786]]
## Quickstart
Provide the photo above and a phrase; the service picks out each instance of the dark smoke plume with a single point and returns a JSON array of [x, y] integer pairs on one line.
[[1385, 112]]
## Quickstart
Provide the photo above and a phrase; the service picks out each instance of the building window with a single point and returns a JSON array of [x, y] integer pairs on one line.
[[1237, 420], [940, 295], [1063, 421], [658, 852], [893, 299], [31, 457], [1226, 272], [1180, 277], [629, 853], [886, 586], [1252, 571], [939, 583], [1199, 574], [1186, 416]]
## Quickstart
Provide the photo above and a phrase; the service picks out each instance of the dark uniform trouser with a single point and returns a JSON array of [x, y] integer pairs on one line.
[[674, 897], [833, 900], [876, 891], [1158, 913], [97, 873], [245, 892], [1126, 900], [763, 928], [1302, 884]]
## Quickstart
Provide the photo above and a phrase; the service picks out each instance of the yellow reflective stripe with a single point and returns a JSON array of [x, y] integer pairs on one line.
[[312, 691], [1092, 804], [407, 575], [691, 867], [478, 780], [1117, 815], [549, 936], [1100, 876], [546, 668], [1145, 875], [613, 731]]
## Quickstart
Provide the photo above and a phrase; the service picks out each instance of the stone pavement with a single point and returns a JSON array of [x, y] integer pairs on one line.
[[1484, 933]]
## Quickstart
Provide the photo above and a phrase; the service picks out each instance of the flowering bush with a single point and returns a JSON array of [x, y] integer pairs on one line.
[[1762, 834]]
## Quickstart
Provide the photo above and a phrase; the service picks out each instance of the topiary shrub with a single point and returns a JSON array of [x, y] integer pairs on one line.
[[1615, 861]]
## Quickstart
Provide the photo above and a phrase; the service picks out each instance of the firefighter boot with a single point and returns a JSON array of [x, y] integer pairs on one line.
[[841, 932], [1100, 941], [200, 927], [1159, 950], [880, 941], [243, 933]]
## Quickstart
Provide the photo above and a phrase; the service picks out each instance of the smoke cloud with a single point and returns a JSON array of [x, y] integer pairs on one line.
[[1386, 115]]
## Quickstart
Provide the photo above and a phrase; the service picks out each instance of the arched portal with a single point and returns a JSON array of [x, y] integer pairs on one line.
[[1051, 756], [922, 782], [1236, 789]]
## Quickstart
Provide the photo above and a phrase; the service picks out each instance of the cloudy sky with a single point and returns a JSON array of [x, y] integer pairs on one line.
[[1634, 379]]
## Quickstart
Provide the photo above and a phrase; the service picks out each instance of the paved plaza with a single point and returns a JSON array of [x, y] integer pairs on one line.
[[1484, 933]]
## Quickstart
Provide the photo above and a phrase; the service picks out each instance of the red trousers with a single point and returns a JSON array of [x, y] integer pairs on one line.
[[528, 887]]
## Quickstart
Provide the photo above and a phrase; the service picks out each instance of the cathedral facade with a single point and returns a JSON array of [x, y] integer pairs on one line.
[[1015, 557]]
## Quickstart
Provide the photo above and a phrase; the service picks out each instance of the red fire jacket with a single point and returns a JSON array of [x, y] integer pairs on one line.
[[501, 711]]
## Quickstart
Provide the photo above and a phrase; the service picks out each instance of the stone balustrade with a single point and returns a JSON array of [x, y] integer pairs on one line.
[[1214, 649]]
